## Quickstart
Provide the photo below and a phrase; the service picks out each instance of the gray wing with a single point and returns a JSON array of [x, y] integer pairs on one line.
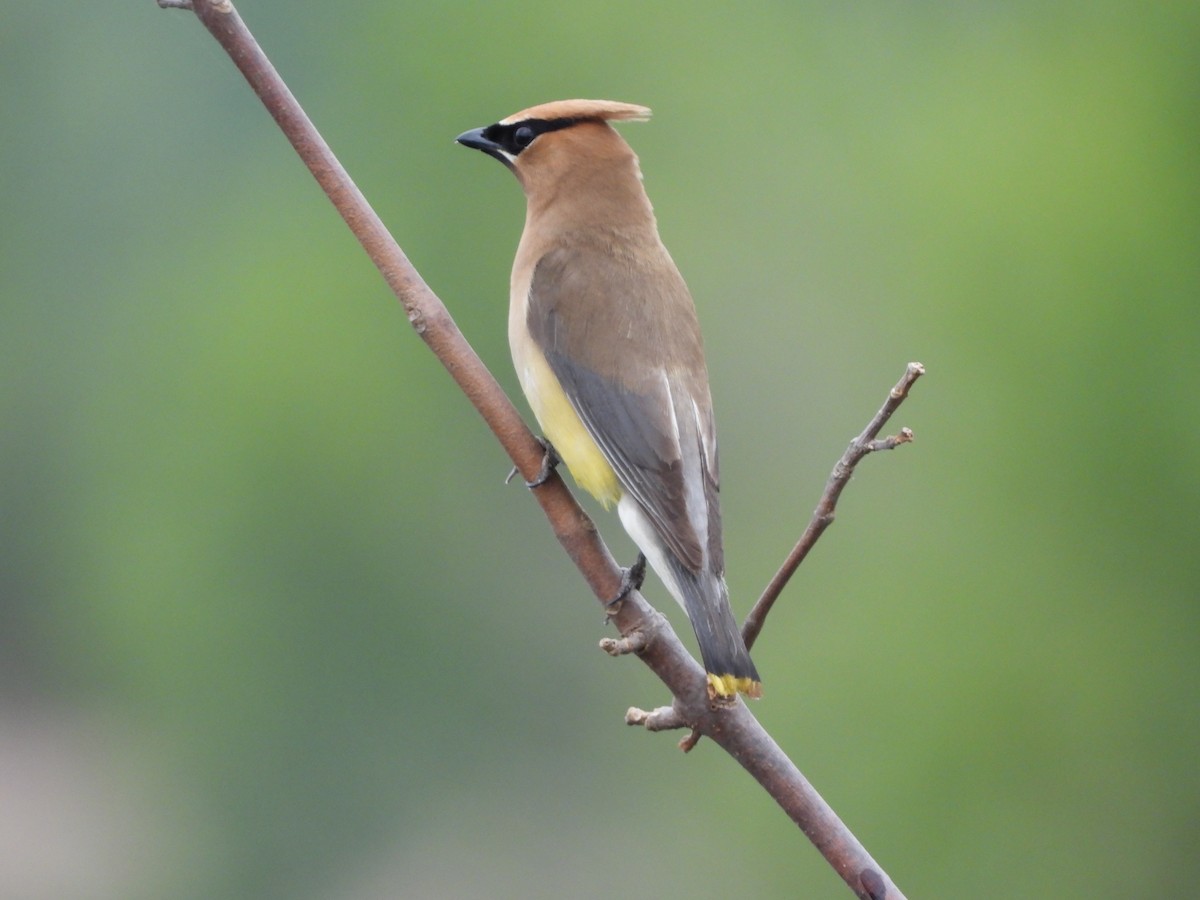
[[588, 312]]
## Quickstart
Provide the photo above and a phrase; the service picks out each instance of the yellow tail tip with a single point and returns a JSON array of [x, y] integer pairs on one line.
[[730, 685]]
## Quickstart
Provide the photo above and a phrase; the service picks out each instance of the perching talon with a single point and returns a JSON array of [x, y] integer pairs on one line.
[[550, 460], [631, 580]]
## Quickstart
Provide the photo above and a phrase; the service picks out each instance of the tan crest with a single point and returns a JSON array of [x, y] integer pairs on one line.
[[582, 109]]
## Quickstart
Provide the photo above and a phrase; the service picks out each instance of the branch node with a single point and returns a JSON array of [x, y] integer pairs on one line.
[[635, 716], [416, 318], [634, 642], [912, 372], [892, 441], [873, 884], [665, 718]]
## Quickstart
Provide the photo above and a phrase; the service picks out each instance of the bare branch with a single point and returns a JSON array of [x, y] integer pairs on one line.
[[823, 515], [643, 630]]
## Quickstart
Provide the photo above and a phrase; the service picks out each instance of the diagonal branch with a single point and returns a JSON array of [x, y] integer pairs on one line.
[[822, 518], [823, 515], [643, 630]]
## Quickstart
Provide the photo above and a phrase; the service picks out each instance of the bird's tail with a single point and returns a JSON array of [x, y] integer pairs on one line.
[[726, 659]]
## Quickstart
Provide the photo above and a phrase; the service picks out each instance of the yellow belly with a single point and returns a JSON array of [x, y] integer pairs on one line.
[[565, 431]]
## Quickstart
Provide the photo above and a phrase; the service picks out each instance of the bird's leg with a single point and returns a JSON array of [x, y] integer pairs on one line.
[[631, 580], [550, 461]]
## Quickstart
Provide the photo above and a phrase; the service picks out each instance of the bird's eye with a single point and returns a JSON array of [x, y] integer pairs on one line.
[[524, 136]]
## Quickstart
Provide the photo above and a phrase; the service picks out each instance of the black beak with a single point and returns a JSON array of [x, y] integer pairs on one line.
[[475, 139]]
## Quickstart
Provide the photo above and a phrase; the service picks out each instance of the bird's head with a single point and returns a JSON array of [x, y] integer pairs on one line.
[[545, 143]]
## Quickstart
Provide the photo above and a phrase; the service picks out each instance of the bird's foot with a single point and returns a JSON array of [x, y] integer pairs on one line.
[[631, 580], [550, 461]]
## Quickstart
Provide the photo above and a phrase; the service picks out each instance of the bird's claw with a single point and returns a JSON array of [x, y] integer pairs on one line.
[[631, 580], [550, 461]]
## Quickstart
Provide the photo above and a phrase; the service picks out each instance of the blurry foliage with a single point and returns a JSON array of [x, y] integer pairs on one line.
[[272, 626]]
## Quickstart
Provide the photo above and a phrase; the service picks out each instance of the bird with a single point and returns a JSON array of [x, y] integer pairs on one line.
[[607, 348]]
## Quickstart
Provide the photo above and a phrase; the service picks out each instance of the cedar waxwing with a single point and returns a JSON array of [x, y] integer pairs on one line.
[[607, 348]]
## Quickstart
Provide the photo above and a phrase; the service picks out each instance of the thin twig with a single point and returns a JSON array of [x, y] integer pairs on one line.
[[732, 726], [823, 515]]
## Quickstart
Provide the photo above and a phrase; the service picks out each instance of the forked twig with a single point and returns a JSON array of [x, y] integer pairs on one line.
[[822, 516]]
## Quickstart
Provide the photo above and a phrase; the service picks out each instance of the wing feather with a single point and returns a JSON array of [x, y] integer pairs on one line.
[[588, 313]]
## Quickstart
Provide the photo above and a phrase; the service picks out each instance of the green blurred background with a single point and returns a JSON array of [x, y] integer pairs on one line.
[[272, 626]]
